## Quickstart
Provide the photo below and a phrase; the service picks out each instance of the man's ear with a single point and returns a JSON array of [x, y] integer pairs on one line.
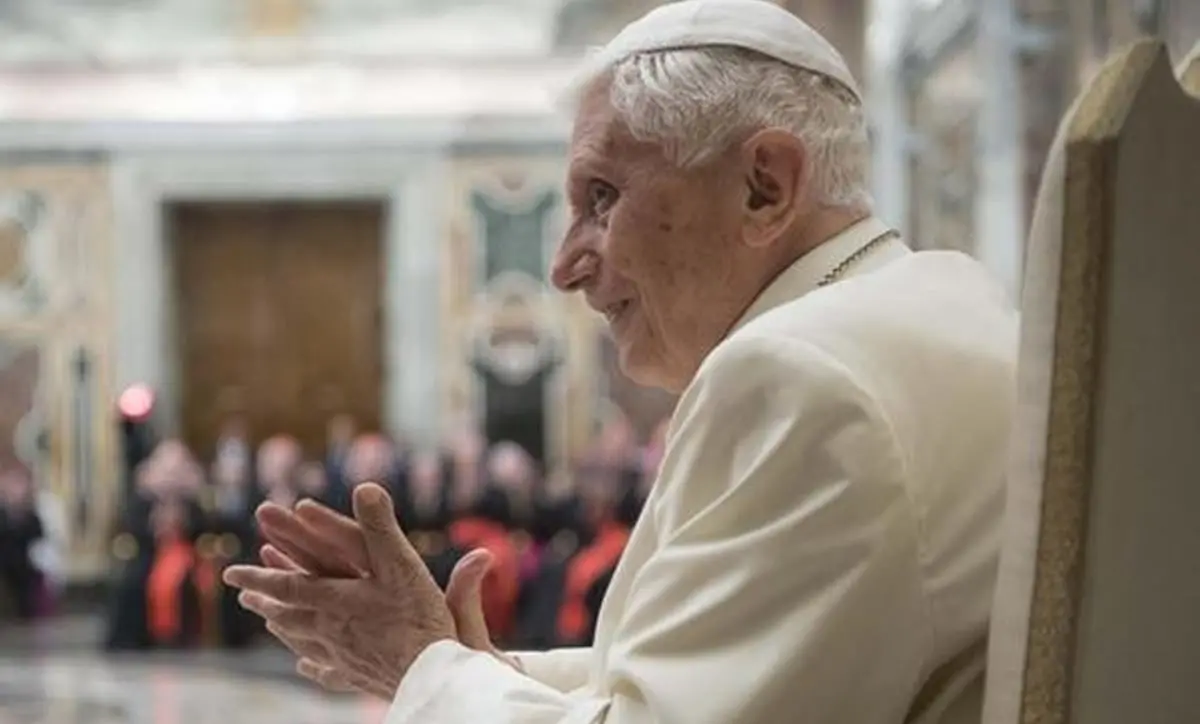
[[774, 164]]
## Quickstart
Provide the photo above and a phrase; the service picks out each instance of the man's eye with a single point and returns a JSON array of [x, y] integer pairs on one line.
[[601, 197]]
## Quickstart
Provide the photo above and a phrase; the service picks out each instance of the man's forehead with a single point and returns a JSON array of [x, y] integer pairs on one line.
[[595, 118], [600, 137]]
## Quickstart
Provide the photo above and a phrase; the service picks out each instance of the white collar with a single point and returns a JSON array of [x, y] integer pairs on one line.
[[805, 274]]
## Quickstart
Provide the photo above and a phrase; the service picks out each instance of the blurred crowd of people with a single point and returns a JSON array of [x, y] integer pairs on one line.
[[555, 538]]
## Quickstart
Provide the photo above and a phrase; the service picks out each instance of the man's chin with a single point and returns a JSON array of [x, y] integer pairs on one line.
[[638, 366]]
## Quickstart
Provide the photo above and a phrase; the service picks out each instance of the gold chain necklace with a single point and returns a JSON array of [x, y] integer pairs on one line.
[[836, 273]]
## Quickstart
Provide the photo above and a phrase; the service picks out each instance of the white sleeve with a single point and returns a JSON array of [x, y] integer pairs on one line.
[[785, 585], [562, 669]]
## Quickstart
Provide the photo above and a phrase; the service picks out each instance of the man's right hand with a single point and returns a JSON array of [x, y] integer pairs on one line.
[[320, 541]]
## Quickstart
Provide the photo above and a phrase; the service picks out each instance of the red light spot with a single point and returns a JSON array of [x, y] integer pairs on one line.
[[136, 402]]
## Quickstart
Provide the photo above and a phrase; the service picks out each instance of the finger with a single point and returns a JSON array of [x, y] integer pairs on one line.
[[283, 616], [307, 547], [393, 559], [280, 527], [273, 512], [343, 532], [272, 557], [290, 587], [463, 596], [307, 551]]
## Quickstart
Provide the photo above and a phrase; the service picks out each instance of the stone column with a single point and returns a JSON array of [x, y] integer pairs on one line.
[[1001, 200], [1049, 78], [143, 300], [412, 307], [887, 104]]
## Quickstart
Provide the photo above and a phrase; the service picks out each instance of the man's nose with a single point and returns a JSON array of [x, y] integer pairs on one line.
[[574, 267]]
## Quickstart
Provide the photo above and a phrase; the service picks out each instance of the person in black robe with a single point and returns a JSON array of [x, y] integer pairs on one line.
[[341, 435], [425, 515], [277, 477], [146, 528], [20, 529], [132, 543], [556, 527], [168, 478], [515, 395]]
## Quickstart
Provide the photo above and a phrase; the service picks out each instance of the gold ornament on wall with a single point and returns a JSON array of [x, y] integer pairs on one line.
[[276, 18], [514, 328], [24, 231]]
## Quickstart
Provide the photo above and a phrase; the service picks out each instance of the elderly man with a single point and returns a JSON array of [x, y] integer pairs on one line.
[[821, 541]]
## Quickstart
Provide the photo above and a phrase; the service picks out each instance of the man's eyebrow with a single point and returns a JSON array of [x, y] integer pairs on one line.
[[588, 164], [584, 161]]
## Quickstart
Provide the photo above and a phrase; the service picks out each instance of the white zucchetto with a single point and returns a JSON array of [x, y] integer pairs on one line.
[[756, 25]]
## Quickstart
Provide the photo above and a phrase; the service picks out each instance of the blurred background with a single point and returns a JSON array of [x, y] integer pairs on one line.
[[267, 249]]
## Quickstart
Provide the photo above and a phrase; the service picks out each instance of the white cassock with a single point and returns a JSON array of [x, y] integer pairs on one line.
[[821, 543]]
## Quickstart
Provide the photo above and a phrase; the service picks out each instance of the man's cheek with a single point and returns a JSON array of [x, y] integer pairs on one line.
[[616, 247]]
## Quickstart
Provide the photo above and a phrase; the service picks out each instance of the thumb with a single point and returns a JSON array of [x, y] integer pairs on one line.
[[463, 596], [388, 550]]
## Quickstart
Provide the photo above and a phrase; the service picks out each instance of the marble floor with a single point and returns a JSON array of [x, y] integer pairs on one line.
[[87, 687]]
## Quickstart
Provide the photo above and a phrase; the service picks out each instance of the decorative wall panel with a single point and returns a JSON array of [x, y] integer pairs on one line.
[[55, 332], [511, 337], [26, 242], [507, 331], [22, 423], [512, 229]]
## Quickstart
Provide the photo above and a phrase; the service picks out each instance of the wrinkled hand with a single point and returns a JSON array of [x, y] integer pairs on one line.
[[319, 540], [361, 632]]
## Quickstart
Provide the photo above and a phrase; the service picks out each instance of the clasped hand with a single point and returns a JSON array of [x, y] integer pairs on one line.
[[352, 598]]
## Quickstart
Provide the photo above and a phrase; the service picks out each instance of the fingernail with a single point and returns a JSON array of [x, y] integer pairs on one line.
[[481, 562]]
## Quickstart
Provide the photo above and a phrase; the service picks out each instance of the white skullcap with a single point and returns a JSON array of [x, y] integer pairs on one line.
[[756, 25]]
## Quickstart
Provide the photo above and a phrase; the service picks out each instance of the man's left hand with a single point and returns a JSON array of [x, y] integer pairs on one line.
[[363, 632]]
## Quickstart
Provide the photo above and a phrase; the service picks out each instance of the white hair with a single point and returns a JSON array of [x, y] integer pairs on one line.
[[697, 102]]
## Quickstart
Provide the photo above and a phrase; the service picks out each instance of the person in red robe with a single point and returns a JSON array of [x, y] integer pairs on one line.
[[600, 488], [485, 525], [181, 586]]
